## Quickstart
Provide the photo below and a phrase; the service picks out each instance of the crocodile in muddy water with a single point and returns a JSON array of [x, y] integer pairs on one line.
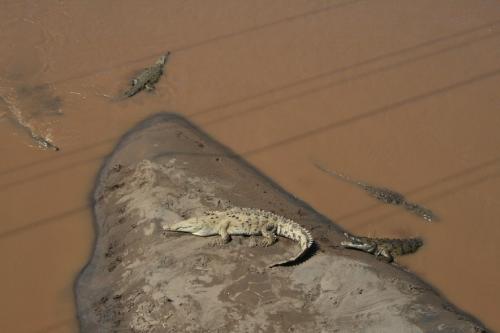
[[17, 116], [384, 195], [148, 77]]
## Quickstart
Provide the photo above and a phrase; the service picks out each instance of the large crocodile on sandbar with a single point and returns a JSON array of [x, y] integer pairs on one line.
[[246, 221]]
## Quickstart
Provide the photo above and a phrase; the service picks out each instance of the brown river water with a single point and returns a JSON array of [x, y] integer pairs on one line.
[[403, 94]]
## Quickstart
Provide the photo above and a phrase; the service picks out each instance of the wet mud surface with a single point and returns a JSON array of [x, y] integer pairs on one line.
[[144, 279]]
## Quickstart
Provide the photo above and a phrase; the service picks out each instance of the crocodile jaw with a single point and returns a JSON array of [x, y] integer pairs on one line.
[[359, 246], [191, 226], [163, 59]]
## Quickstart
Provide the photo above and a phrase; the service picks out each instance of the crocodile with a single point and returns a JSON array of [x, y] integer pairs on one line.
[[148, 77], [250, 222], [17, 116], [384, 195], [383, 248], [43, 142]]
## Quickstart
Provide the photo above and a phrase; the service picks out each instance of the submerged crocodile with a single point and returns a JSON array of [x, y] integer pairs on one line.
[[17, 116], [148, 77], [42, 141], [385, 195], [383, 248], [247, 221]]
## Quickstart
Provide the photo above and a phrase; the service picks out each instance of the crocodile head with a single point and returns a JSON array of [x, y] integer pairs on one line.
[[163, 59], [359, 243], [193, 226]]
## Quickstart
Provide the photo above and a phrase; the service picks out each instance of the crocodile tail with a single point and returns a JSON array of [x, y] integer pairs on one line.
[[294, 231]]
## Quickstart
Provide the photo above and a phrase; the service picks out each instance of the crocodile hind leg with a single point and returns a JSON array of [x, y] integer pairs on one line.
[[269, 233], [224, 236]]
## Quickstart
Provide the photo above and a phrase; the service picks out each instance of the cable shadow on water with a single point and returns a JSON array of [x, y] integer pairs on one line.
[[356, 65], [376, 112], [211, 40], [43, 222], [270, 91], [346, 80], [57, 156], [8, 185], [298, 137], [321, 129]]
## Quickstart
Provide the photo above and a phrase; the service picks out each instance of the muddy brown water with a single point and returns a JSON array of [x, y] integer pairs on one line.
[[400, 94]]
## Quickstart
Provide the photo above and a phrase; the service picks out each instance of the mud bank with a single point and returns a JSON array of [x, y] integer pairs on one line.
[[142, 279]]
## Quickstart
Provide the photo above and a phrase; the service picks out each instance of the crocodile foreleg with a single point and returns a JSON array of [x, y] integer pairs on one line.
[[382, 253], [224, 235]]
